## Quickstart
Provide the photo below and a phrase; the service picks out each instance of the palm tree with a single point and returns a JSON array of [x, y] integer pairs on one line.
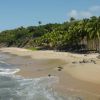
[[39, 22], [93, 32]]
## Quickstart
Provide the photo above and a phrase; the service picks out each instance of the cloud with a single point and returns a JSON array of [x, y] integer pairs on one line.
[[79, 14], [94, 8], [86, 14], [73, 13]]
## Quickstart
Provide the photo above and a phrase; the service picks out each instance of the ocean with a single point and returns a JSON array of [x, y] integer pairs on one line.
[[15, 87]]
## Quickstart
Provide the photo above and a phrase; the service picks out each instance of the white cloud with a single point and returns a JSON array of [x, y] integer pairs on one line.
[[95, 8], [79, 14], [86, 14], [73, 13], [92, 11]]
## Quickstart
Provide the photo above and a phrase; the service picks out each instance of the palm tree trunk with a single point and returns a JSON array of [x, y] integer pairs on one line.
[[99, 46]]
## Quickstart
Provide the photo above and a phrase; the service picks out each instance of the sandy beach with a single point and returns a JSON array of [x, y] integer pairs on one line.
[[78, 73]]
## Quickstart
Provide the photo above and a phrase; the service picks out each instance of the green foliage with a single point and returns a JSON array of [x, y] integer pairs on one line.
[[65, 36], [33, 48]]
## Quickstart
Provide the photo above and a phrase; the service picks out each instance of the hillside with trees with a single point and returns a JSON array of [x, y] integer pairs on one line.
[[74, 35]]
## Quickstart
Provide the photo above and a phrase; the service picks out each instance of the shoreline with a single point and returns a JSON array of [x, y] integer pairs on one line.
[[75, 77], [73, 64]]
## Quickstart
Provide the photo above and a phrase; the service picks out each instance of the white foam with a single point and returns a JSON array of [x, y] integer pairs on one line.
[[2, 62], [8, 71], [38, 88]]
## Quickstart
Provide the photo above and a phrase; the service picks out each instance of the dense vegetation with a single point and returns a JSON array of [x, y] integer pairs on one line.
[[73, 35]]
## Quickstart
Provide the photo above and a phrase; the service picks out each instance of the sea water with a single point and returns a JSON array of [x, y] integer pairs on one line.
[[14, 87]]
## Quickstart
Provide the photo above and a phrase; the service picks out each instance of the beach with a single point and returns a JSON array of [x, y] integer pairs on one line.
[[78, 73]]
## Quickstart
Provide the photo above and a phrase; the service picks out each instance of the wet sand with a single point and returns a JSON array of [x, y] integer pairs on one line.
[[75, 78]]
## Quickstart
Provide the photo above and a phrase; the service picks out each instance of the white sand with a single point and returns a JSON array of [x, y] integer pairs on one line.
[[86, 72], [83, 71]]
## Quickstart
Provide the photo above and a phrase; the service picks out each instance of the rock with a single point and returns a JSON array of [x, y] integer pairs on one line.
[[79, 98], [85, 55], [80, 61], [93, 61], [74, 62], [60, 68], [85, 61], [98, 56], [49, 75]]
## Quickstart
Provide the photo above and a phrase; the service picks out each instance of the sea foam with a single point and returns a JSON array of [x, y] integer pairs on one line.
[[8, 71]]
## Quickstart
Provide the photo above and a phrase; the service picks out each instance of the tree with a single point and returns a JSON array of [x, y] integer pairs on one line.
[[72, 19], [39, 22]]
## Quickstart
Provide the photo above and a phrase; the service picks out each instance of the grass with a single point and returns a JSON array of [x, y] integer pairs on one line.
[[33, 49]]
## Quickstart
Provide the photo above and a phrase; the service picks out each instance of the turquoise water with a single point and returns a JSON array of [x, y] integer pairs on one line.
[[14, 87]]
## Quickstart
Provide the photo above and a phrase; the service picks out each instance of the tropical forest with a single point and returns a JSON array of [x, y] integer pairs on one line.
[[75, 35]]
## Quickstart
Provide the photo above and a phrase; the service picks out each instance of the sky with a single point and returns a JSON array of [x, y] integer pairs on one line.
[[16, 13]]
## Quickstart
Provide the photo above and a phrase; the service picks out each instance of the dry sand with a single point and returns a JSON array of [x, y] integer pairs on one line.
[[76, 77], [83, 71]]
